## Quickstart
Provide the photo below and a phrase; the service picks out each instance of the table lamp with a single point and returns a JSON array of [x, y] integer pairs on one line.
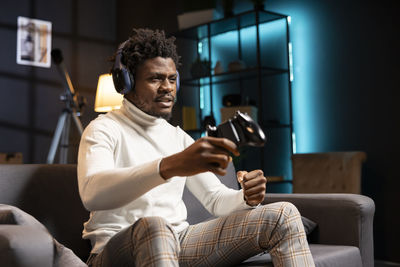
[[107, 98]]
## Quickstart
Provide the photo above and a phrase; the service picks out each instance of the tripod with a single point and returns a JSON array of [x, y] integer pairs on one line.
[[70, 112]]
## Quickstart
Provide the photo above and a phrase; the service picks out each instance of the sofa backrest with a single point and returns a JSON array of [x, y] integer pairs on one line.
[[50, 194]]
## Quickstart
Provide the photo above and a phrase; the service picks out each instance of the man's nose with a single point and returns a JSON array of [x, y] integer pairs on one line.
[[167, 85]]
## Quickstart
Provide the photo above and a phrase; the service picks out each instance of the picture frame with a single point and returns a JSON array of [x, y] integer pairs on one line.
[[34, 42]]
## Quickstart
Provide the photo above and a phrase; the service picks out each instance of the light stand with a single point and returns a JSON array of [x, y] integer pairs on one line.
[[72, 110]]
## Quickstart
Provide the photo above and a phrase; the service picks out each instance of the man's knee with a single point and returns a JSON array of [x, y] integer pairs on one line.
[[283, 208], [153, 224], [282, 212], [288, 209], [289, 218], [156, 230], [155, 227]]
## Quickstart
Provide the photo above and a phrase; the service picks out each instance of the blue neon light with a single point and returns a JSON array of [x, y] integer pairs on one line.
[[201, 97], [200, 48], [291, 61], [294, 148]]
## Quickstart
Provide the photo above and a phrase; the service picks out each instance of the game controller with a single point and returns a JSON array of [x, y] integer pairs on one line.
[[240, 129]]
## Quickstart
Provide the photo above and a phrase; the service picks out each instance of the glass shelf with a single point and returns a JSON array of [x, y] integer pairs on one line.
[[235, 22], [278, 182], [274, 125], [249, 73], [265, 126]]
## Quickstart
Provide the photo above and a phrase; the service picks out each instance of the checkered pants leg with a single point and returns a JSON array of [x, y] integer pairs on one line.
[[151, 241], [229, 240]]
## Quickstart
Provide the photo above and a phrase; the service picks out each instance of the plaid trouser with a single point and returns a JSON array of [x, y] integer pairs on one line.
[[225, 241]]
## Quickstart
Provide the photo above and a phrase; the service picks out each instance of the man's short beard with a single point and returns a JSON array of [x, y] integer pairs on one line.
[[141, 105], [165, 116]]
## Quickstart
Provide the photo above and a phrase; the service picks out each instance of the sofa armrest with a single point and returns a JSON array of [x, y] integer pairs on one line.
[[342, 219], [25, 246]]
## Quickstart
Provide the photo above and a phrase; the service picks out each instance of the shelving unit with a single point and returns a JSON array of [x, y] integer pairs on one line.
[[260, 41]]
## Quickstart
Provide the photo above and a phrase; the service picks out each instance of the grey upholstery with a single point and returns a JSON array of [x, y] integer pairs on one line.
[[50, 193], [19, 231], [343, 220], [21, 245], [324, 255]]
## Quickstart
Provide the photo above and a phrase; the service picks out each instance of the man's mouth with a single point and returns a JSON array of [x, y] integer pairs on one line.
[[165, 98], [165, 101]]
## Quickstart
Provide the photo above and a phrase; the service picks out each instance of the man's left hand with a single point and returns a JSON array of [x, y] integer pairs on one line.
[[254, 185]]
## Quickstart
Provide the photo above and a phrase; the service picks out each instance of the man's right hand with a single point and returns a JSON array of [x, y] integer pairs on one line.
[[206, 154]]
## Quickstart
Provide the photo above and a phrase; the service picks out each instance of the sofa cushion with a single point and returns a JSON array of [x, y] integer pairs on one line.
[[23, 225], [13, 215], [25, 246], [340, 256], [323, 255], [309, 225]]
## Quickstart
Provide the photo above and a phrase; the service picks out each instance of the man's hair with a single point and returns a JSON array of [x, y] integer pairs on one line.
[[146, 44]]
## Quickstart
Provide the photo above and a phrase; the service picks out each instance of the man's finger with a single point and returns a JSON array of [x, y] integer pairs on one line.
[[256, 197], [240, 175], [224, 143], [219, 160], [255, 190], [253, 174], [259, 180]]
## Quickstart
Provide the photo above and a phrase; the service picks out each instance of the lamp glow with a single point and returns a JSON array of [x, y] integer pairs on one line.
[[107, 97]]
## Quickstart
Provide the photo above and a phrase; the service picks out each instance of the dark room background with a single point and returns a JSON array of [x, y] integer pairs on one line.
[[346, 68]]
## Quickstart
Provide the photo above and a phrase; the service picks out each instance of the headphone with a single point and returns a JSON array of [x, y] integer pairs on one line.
[[123, 79]]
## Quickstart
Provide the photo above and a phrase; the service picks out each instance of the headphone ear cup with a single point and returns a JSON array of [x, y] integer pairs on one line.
[[123, 80], [122, 77]]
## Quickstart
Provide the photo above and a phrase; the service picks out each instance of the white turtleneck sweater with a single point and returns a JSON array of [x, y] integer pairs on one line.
[[119, 179]]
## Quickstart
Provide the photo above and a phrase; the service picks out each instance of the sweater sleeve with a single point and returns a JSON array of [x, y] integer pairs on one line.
[[217, 198], [102, 186]]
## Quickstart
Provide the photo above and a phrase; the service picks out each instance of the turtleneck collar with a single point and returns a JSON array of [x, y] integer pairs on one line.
[[138, 116]]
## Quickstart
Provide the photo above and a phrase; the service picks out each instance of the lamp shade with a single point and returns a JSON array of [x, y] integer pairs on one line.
[[107, 97]]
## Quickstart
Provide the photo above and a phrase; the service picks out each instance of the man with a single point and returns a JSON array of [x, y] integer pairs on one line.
[[133, 166]]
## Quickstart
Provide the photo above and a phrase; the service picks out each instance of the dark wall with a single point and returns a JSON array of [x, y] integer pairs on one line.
[[348, 74], [85, 31], [154, 14], [345, 66]]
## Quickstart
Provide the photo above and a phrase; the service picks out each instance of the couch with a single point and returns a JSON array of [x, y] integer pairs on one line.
[[49, 193]]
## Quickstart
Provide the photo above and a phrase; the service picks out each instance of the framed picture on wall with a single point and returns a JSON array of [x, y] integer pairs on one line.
[[34, 42]]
